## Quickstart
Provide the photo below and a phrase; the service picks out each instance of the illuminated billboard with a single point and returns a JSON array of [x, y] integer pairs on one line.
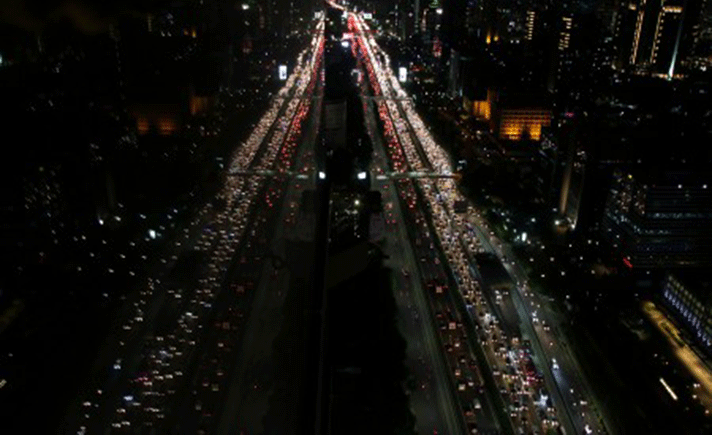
[[283, 72], [402, 74]]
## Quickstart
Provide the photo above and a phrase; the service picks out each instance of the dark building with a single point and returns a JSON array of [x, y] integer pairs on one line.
[[606, 12], [459, 23], [563, 56], [661, 219]]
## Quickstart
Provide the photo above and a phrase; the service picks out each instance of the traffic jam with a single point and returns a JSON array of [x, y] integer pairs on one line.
[[177, 346], [469, 331]]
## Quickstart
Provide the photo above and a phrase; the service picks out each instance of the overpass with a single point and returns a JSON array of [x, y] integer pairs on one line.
[[305, 175]]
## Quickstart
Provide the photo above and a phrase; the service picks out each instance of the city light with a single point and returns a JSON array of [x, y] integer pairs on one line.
[[668, 389], [402, 74], [191, 203]]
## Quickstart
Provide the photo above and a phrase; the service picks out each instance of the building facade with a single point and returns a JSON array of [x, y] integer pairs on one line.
[[689, 300], [520, 123], [662, 220]]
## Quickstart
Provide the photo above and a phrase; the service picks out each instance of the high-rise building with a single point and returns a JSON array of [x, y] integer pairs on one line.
[[660, 220], [572, 178], [657, 35], [607, 12], [489, 20], [702, 14], [634, 32], [562, 55], [431, 22], [626, 33], [667, 38], [565, 32], [529, 25], [454, 25]]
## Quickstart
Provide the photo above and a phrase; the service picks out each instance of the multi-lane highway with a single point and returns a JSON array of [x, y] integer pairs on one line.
[[423, 355], [169, 363], [193, 351], [414, 149], [253, 381]]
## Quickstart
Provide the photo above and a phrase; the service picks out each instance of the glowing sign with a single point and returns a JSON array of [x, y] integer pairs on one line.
[[402, 74], [283, 72], [367, 15]]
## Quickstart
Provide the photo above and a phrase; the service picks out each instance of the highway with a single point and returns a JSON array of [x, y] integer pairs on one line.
[[460, 353], [423, 355], [247, 402], [194, 353], [166, 365], [571, 397], [571, 385]]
